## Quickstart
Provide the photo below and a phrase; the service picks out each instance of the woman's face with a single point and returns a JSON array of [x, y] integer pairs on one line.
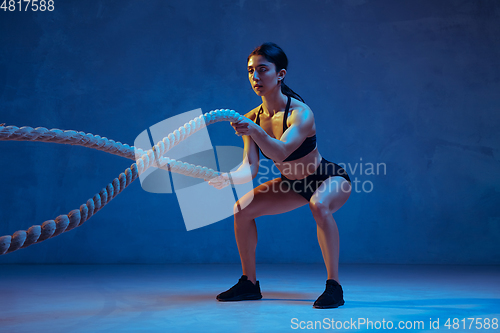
[[262, 75]]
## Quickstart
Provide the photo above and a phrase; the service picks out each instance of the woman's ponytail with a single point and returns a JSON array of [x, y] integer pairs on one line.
[[289, 92]]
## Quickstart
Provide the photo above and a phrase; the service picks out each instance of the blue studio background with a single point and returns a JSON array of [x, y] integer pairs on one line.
[[410, 85]]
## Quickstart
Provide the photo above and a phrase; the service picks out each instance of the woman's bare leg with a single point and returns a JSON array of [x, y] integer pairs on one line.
[[268, 199], [327, 199]]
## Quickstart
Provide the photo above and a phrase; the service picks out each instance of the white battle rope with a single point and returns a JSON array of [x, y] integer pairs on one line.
[[143, 161]]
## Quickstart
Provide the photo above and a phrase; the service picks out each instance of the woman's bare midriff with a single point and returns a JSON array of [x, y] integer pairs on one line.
[[300, 168]]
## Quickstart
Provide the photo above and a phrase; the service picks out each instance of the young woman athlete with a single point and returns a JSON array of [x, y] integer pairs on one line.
[[283, 128]]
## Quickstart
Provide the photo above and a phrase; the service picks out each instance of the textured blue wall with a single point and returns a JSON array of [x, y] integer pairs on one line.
[[413, 85]]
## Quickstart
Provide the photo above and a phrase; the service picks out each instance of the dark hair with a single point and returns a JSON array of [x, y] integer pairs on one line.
[[273, 53]]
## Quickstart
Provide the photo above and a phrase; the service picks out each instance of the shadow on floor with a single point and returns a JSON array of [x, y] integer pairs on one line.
[[438, 307]]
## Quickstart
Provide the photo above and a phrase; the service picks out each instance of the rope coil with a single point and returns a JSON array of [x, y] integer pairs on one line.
[[143, 161]]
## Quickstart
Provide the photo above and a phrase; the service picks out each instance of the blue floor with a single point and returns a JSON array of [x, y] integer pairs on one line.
[[181, 298]]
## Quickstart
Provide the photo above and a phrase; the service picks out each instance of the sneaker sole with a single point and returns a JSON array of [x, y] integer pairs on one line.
[[243, 297], [332, 306]]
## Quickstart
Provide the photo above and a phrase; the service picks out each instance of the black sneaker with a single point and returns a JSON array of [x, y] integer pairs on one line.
[[242, 291], [332, 297]]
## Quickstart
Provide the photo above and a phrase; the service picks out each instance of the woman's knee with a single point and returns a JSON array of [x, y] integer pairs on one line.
[[249, 206], [319, 210], [243, 212], [330, 196]]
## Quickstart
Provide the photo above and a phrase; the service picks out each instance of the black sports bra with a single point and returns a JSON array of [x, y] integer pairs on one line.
[[305, 148]]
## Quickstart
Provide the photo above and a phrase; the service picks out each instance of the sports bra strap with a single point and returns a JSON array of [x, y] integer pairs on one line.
[[285, 117], [305, 148]]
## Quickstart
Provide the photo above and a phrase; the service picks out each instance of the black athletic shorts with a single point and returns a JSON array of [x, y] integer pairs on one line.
[[307, 186]]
